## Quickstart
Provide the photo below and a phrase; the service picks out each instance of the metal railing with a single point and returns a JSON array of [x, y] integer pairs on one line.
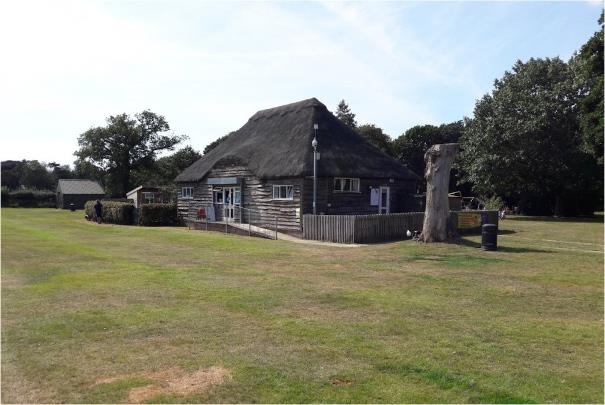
[[234, 218]]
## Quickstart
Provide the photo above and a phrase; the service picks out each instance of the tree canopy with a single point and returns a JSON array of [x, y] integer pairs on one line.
[[377, 137], [411, 146], [588, 67], [27, 173], [344, 113], [522, 143], [124, 145]]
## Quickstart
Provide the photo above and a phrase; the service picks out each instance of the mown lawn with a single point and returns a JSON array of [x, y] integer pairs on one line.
[[89, 311]]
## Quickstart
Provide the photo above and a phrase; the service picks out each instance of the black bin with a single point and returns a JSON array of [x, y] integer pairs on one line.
[[489, 237]]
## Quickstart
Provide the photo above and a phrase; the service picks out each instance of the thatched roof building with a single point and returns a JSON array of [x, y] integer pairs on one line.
[[276, 143], [266, 166]]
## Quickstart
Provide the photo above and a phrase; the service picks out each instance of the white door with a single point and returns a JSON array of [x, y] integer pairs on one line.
[[228, 201], [231, 198], [384, 206]]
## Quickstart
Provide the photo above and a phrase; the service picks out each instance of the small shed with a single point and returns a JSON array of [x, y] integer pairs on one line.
[[77, 192], [145, 195]]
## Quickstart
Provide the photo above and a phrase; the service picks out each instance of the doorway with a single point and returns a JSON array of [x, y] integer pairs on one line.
[[384, 202], [230, 198]]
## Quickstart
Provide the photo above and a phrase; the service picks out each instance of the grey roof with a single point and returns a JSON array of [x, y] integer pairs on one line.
[[80, 186], [276, 143]]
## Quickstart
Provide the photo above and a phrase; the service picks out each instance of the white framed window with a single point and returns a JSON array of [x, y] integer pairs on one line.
[[149, 198], [346, 185], [217, 194], [283, 192], [187, 192]]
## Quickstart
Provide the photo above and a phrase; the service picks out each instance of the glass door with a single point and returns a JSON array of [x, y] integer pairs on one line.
[[231, 198], [384, 206]]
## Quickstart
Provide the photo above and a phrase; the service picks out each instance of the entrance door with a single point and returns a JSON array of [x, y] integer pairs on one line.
[[231, 198], [384, 206]]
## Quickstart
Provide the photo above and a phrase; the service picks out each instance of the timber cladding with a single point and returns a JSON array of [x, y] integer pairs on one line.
[[332, 202], [256, 197]]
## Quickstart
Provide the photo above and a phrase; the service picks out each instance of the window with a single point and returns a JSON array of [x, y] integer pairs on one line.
[[149, 198], [187, 192], [344, 184], [218, 195], [283, 192]]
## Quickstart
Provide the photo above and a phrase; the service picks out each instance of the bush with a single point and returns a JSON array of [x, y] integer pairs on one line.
[[493, 203], [157, 214], [29, 198], [114, 212]]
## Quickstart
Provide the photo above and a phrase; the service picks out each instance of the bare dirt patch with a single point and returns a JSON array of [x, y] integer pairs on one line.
[[173, 381], [341, 381]]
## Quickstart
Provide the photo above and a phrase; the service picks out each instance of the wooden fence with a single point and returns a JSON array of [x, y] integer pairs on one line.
[[332, 228], [377, 228]]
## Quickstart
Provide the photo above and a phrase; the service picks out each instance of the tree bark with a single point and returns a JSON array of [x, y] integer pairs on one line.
[[438, 161]]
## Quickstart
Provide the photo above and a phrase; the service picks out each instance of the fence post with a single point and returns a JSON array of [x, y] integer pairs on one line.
[[276, 227], [226, 217]]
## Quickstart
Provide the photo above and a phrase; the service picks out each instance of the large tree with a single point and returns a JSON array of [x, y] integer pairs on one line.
[[588, 68], [166, 168], [412, 145], [34, 175], [522, 143], [124, 145], [344, 113], [59, 171]]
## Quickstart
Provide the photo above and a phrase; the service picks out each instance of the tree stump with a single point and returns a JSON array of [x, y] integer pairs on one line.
[[438, 160]]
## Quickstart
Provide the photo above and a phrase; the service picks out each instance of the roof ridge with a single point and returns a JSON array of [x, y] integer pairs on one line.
[[287, 108]]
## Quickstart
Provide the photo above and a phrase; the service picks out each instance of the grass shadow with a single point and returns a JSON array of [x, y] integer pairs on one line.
[[597, 218], [507, 249]]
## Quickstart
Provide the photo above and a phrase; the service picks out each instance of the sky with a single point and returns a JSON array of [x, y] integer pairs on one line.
[[65, 66]]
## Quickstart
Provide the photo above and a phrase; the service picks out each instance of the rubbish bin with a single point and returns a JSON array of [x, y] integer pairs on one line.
[[489, 237], [72, 207]]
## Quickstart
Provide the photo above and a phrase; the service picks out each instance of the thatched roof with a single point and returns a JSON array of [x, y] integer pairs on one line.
[[276, 143], [79, 186]]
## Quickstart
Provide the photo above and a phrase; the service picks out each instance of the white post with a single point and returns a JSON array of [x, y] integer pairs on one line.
[[314, 144]]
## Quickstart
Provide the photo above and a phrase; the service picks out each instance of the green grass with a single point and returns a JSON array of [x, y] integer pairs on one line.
[[400, 322]]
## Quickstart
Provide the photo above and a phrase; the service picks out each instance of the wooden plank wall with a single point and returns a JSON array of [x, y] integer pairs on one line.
[[329, 228], [370, 228], [380, 228], [257, 196]]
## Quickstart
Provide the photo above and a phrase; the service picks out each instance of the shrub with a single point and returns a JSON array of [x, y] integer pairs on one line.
[[157, 214], [114, 212], [493, 203], [29, 198]]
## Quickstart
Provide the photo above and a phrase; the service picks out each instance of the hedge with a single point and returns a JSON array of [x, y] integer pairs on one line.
[[158, 214], [114, 212], [29, 198]]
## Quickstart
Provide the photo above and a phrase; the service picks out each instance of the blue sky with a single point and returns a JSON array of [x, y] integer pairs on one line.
[[208, 66]]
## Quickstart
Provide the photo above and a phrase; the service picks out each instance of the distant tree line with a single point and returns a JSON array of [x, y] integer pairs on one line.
[[121, 155]]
